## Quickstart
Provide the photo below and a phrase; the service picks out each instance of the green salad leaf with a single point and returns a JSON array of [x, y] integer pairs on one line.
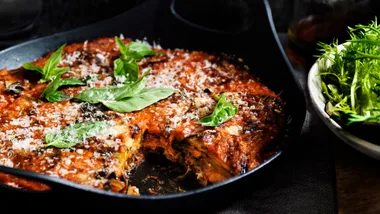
[[223, 112], [350, 75], [126, 69], [73, 134], [50, 70]]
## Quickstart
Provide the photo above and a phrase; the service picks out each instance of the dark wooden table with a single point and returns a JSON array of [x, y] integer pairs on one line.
[[357, 180], [357, 175]]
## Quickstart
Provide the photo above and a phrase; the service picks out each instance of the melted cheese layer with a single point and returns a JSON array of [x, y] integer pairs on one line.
[[104, 161]]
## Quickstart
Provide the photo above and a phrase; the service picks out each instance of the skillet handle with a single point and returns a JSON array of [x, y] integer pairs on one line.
[[55, 184]]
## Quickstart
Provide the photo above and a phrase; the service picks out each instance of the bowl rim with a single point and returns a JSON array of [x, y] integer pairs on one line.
[[317, 101]]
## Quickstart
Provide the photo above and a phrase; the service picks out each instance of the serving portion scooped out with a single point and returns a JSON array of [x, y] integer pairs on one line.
[[89, 113]]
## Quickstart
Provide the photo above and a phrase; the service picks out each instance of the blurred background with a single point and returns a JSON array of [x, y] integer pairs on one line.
[[22, 20], [304, 21]]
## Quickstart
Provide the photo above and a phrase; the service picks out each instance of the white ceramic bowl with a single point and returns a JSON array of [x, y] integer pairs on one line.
[[318, 102]]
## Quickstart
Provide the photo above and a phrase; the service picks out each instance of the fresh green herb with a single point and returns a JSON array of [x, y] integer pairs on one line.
[[52, 95], [223, 111], [112, 93], [96, 95], [134, 50], [126, 69], [350, 76], [354, 118], [127, 98], [15, 87], [144, 98], [73, 134], [50, 70]]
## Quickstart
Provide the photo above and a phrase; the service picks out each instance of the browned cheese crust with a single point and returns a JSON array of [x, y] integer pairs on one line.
[[170, 125]]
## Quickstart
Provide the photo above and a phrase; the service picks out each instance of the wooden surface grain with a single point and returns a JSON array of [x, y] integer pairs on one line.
[[357, 180]]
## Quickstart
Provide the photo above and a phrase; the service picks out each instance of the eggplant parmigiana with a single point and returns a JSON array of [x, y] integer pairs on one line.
[[96, 142]]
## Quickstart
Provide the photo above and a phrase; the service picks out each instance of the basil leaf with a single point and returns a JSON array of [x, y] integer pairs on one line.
[[57, 96], [135, 50], [51, 88], [50, 70], [73, 134], [50, 93], [135, 87], [71, 81], [31, 67], [95, 95], [138, 50], [126, 98], [126, 71], [223, 111], [131, 71], [58, 72], [52, 62], [112, 93], [118, 65], [123, 48], [144, 98]]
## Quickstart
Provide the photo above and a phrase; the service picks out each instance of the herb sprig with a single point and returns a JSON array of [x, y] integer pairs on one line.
[[50, 70], [51, 94], [223, 111], [73, 134], [350, 75], [127, 98], [126, 69]]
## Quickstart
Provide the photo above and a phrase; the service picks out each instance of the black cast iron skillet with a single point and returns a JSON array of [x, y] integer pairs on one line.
[[244, 28]]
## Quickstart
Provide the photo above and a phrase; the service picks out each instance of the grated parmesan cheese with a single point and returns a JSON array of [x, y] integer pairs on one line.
[[233, 130]]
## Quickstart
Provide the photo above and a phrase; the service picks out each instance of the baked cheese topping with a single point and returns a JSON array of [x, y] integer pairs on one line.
[[105, 160]]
